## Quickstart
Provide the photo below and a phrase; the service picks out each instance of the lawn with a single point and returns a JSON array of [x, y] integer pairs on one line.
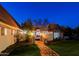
[[66, 48], [28, 50]]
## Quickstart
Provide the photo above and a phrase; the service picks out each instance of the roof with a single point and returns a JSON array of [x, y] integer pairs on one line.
[[42, 28], [54, 27], [7, 18]]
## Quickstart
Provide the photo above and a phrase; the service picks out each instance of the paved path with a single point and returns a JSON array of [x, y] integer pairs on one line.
[[44, 50]]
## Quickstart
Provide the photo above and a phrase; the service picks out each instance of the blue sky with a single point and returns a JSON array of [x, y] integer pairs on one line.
[[65, 14]]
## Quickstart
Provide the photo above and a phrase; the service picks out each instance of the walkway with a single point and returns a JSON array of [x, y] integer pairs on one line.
[[44, 50]]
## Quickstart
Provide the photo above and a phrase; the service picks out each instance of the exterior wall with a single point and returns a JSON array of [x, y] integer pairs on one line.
[[57, 35], [53, 35], [6, 40], [50, 36], [44, 35], [62, 35]]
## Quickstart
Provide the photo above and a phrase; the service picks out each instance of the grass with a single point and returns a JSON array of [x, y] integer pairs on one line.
[[66, 48], [28, 50]]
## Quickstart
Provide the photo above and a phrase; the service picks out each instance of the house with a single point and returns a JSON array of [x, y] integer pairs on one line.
[[41, 33], [8, 28], [51, 32], [56, 31]]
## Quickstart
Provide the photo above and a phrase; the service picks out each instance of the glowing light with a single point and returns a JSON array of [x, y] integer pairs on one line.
[[44, 35], [9, 26], [31, 34]]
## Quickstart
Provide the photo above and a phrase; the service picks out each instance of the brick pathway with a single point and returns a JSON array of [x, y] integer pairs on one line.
[[44, 50]]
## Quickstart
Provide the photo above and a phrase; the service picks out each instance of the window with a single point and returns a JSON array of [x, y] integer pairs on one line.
[[3, 31], [56, 35], [13, 32]]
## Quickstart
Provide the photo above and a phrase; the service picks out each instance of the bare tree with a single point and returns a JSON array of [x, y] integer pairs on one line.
[[41, 22], [45, 23], [27, 24]]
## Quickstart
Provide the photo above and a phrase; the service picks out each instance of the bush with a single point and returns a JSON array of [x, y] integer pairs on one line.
[[27, 38]]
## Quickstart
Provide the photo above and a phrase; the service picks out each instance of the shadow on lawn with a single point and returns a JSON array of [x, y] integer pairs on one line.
[[27, 50]]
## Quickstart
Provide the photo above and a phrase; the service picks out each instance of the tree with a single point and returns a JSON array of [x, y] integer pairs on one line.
[[45, 23], [38, 22], [35, 22], [77, 30], [27, 24], [41, 22], [68, 31]]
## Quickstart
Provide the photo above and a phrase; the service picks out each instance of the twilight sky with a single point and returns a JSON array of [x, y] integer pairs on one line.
[[66, 14]]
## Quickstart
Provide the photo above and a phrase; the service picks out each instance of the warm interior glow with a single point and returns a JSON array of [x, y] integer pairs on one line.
[[44, 35]]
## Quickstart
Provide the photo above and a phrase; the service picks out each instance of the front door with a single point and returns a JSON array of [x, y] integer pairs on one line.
[[38, 34]]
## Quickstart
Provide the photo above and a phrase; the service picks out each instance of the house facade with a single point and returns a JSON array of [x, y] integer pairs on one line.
[[51, 32], [56, 31], [8, 28]]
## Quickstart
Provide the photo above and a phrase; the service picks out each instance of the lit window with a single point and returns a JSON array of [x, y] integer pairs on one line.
[[56, 35], [3, 31], [13, 32]]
